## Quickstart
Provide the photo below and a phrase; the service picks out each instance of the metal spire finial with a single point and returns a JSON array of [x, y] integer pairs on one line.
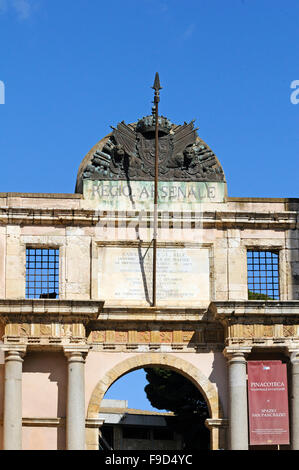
[[157, 85]]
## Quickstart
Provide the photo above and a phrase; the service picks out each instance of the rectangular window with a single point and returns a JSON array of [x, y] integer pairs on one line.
[[42, 273], [263, 274]]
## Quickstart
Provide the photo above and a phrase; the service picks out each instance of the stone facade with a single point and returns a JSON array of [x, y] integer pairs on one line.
[[59, 356]]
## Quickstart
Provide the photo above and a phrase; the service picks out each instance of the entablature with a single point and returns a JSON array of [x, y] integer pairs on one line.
[[259, 323], [54, 323], [46, 322], [51, 322]]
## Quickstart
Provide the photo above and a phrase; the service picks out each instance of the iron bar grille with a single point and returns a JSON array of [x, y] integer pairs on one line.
[[263, 274], [42, 273]]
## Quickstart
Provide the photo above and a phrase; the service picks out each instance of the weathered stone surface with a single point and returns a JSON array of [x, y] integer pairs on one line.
[[139, 195], [183, 275]]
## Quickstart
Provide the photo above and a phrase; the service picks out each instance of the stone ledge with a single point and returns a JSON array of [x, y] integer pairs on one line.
[[243, 308], [281, 343], [152, 314], [90, 217], [159, 347], [43, 195], [216, 423], [76, 309], [261, 199], [57, 422], [41, 342]]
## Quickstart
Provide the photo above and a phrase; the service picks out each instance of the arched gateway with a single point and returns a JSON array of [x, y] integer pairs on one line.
[[77, 309], [174, 362]]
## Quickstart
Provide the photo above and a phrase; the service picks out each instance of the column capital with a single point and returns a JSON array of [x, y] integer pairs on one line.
[[76, 354], [236, 353], [14, 352], [293, 354]]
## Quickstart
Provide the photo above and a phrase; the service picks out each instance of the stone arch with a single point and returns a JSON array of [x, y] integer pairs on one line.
[[139, 361]]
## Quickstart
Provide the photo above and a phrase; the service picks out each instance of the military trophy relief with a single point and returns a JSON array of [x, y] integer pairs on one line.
[[129, 154]]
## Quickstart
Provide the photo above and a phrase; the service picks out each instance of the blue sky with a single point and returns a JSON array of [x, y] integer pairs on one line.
[[72, 68], [131, 387]]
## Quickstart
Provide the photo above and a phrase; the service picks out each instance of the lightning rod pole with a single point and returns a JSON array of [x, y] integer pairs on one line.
[[157, 88]]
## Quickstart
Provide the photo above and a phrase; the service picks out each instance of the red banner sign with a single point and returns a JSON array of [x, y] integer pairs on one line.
[[268, 403]]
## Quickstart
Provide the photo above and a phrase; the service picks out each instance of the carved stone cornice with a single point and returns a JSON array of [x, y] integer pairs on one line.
[[49, 310], [52, 323], [259, 323], [153, 314], [207, 218], [46, 323], [148, 329], [235, 310]]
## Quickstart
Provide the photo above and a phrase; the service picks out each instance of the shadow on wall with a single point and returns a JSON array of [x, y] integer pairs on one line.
[[53, 366], [218, 377]]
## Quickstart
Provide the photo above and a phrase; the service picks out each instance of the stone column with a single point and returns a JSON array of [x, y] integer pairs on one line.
[[75, 415], [12, 414], [237, 396], [294, 405]]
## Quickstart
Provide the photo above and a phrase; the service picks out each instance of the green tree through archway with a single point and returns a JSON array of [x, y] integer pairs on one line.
[[168, 390]]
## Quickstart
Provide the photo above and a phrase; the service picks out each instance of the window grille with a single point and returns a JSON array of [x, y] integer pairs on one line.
[[42, 273], [263, 274]]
